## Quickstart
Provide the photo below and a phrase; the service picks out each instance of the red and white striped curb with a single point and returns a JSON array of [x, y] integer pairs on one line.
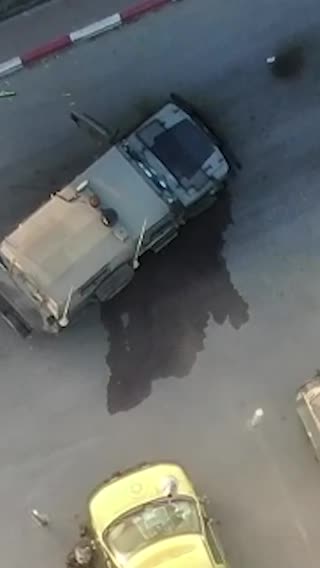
[[101, 26]]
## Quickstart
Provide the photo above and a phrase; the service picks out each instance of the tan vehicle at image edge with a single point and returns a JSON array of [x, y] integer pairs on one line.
[[84, 244], [308, 408]]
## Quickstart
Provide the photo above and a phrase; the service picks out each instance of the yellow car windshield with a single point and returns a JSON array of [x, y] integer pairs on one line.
[[150, 524]]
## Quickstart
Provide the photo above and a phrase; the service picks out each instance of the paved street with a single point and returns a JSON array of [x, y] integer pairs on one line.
[[223, 322]]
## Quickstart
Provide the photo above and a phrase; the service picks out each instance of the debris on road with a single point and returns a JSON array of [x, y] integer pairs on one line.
[[68, 95], [256, 418], [4, 94], [82, 555], [41, 518]]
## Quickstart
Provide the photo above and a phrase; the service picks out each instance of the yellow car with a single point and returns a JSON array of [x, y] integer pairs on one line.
[[151, 517]]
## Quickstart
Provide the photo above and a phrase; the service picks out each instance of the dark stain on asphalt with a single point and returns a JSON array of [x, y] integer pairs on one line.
[[289, 62], [157, 325]]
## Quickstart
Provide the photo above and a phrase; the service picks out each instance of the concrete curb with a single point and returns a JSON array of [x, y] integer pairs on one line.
[[10, 66], [46, 49], [97, 28], [141, 8]]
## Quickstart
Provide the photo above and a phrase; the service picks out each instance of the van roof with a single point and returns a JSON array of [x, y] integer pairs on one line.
[[64, 243]]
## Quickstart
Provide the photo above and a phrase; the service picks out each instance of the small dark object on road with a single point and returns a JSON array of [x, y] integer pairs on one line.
[[82, 555], [288, 62]]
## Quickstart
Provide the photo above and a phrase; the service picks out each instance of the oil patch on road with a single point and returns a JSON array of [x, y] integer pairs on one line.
[[157, 325], [289, 62]]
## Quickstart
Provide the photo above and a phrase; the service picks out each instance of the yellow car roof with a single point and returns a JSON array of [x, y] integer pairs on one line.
[[120, 495]]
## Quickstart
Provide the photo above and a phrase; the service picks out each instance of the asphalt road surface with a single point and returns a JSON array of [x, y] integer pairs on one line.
[[222, 323], [52, 19]]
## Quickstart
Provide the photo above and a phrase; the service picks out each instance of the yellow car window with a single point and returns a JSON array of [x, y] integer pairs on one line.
[[150, 524]]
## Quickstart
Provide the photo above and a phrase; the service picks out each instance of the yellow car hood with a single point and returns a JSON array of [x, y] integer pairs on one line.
[[178, 552], [122, 494]]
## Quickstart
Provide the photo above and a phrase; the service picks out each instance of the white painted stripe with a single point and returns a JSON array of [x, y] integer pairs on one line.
[[10, 66], [97, 28]]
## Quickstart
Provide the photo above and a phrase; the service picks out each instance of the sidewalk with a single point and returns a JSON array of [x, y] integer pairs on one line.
[[58, 17]]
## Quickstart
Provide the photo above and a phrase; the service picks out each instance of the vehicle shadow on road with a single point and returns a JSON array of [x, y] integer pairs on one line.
[[157, 325]]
